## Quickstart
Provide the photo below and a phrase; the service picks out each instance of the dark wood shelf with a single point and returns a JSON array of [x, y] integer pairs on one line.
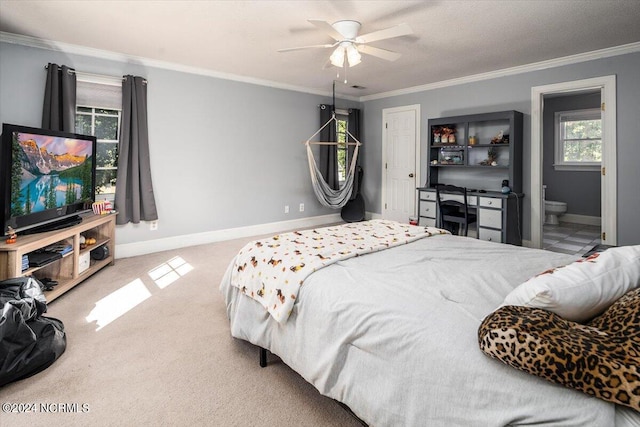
[[484, 127]]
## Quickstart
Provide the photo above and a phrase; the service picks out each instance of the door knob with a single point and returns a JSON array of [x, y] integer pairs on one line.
[[410, 175]]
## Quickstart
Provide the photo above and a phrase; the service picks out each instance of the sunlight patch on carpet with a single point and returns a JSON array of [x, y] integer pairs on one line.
[[118, 303], [170, 271]]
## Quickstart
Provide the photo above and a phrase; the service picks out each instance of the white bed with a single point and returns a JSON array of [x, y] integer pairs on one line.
[[393, 335]]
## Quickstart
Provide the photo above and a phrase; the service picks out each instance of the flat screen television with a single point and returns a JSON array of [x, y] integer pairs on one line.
[[48, 178]]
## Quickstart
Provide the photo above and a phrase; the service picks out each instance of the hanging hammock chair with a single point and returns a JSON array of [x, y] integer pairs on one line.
[[328, 196]]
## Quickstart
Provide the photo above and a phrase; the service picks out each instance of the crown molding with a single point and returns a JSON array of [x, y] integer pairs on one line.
[[118, 57], [113, 56], [536, 66]]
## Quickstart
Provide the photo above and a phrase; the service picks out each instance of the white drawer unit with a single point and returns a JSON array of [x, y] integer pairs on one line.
[[498, 214], [490, 218], [428, 209], [490, 214], [490, 235], [428, 195], [490, 202], [427, 222]]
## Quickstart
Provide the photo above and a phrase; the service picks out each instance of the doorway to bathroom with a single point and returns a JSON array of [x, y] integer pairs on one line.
[[581, 212], [571, 151]]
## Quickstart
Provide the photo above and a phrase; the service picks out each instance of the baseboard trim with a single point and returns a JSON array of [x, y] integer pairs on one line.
[[169, 243], [581, 219]]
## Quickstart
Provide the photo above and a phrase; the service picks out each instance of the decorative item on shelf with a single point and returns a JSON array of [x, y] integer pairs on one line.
[[436, 135], [100, 253], [500, 138], [492, 157], [451, 157], [505, 186], [98, 207], [86, 241], [102, 207], [448, 134], [12, 237], [473, 140]]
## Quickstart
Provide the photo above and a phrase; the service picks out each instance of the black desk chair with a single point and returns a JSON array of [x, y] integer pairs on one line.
[[452, 214]]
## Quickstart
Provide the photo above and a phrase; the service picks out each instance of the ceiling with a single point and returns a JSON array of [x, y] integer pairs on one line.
[[240, 39]]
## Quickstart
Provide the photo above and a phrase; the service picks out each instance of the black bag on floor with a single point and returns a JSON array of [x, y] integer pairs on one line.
[[29, 342]]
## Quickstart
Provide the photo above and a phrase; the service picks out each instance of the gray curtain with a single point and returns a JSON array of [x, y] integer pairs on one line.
[[328, 163], [354, 129], [134, 199], [59, 109]]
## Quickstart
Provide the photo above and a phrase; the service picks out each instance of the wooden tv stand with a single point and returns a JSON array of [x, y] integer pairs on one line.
[[66, 270]]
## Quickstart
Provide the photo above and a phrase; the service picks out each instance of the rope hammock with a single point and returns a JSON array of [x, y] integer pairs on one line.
[[326, 195]]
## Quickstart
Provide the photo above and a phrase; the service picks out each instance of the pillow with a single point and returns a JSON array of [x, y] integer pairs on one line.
[[583, 289], [601, 358]]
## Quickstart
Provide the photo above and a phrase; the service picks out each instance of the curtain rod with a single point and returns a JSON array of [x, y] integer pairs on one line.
[[96, 76], [69, 70]]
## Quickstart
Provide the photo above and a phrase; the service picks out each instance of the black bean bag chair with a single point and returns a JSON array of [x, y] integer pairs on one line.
[[29, 342]]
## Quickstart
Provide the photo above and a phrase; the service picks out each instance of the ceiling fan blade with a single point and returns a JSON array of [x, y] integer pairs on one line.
[[380, 53], [327, 64], [327, 28], [397, 31], [316, 46]]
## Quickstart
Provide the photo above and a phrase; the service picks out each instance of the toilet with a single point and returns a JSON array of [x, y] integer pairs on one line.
[[552, 210]]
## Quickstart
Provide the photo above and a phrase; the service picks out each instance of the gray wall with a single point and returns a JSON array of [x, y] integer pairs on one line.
[[224, 154], [579, 189], [227, 154], [514, 93]]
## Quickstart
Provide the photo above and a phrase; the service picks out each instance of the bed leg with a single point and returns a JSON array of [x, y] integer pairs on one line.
[[263, 357]]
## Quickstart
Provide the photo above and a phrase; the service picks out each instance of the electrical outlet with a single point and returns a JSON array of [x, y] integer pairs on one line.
[[301, 207], [286, 208], [153, 225]]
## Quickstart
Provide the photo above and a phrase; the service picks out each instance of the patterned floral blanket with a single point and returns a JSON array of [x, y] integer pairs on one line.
[[272, 270]]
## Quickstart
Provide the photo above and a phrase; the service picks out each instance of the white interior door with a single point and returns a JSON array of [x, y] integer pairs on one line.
[[400, 141]]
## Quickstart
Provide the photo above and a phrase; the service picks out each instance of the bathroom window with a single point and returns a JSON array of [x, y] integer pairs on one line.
[[578, 140]]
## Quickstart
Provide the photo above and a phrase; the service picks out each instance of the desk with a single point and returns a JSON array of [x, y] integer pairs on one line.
[[499, 215]]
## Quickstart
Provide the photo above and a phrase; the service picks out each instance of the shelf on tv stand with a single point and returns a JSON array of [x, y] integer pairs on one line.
[[65, 270]]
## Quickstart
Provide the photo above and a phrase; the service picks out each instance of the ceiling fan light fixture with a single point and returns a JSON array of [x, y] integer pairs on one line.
[[349, 46], [353, 56], [337, 57]]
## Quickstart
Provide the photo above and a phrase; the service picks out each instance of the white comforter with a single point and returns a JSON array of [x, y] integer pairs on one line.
[[393, 335]]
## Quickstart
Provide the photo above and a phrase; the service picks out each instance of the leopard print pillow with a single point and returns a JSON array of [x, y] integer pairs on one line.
[[600, 358]]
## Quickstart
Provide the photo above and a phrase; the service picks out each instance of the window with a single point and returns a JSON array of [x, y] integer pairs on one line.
[[342, 138], [104, 124], [578, 140], [98, 113]]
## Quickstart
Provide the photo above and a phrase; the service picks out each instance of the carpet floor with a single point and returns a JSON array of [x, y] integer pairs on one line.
[[148, 344]]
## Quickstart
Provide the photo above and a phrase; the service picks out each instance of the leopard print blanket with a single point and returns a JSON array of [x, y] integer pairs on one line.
[[600, 358]]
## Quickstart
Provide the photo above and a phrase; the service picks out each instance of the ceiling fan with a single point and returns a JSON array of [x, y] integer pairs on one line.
[[349, 45]]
